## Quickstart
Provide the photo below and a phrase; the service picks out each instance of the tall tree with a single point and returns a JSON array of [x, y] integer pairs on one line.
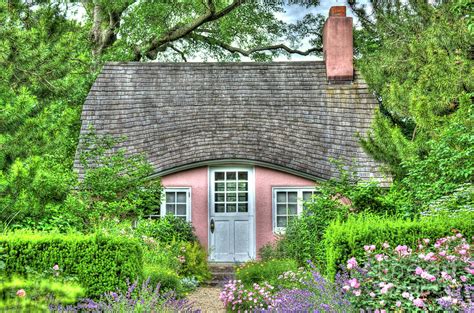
[[143, 30], [417, 57]]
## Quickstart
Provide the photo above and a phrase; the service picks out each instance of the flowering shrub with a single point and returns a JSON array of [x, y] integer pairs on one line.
[[300, 291], [237, 297], [436, 277], [316, 294]]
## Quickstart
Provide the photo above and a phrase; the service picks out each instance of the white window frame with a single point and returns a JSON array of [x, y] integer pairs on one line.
[[300, 202], [176, 189]]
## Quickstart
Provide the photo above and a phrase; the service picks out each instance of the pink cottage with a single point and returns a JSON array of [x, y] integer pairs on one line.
[[239, 146]]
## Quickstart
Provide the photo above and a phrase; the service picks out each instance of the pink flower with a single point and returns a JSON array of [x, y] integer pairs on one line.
[[459, 235], [426, 241], [56, 267], [418, 302], [403, 250], [405, 295], [354, 283], [470, 271], [463, 278], [379, 257], [356, 292], [385, 245], [372, 294], [442, 253], [369, 248], [462, 252], [430, 257], [398, 304], [346, 287], [419, 271], [451, 257], [21, 293], [351, 263]]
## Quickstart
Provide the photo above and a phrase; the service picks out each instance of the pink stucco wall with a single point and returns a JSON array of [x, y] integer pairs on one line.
[[196, 179], [265, 179]]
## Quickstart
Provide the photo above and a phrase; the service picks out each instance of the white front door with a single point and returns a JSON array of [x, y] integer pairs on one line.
[[231, 214]]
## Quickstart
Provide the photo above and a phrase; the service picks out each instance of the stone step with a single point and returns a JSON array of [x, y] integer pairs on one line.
[[221, 273]]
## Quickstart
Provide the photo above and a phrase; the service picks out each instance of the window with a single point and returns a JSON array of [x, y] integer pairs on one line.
[[231, 191], [177, 202], [288, 203]]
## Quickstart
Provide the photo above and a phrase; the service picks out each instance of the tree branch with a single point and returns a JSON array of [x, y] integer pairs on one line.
[[181, 53], [248, 52], [179, 32]]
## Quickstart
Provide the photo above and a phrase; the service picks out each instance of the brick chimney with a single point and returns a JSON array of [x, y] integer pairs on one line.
[[337, 45]]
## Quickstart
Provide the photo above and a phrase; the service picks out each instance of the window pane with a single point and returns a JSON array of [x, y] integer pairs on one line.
[[231, 186], [220, 197], [181, 197], [292, 196], [281, 197], [231, 176], [219, 176], [243, 186], [170, 209], [220, 186], [292, 209], [219, 208], [307, 195], [243, 207], [181, 209], [281, 209], [231, 207], [170, 197], [243, 197], [243, 175], [231, 197], [281, 221]]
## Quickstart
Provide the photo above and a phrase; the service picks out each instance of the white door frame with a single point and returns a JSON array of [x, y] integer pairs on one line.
[[251, 206]]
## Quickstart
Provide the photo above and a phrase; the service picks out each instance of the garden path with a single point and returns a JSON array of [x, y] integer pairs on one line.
[[206, 299]]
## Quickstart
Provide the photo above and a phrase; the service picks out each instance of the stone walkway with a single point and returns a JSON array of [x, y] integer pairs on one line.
[[207, 299]]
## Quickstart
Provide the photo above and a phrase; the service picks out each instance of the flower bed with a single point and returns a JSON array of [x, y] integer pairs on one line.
[[434, 277]]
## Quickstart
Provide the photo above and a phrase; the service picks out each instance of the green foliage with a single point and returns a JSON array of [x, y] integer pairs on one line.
[[167, 278], [194, 261], [417, 57], [114, 185], [343, 240], [44, 79], [99, 262], [166, 229], [448, 166], [267, 271], [38, 294]]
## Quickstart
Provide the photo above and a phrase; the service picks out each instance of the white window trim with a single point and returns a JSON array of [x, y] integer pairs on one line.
[[299, 190], [188, 201]]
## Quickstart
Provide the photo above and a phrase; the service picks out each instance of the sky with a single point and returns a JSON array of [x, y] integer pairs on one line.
[[294, 13]]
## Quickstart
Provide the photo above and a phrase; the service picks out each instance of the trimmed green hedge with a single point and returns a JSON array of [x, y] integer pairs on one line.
[[100, 263], [344, 240]]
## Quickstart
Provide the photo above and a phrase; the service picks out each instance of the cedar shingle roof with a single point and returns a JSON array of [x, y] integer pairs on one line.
[[282, 114]]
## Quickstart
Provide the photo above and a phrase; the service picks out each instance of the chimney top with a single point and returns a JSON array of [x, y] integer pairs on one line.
[[339, 10], [338, 45]]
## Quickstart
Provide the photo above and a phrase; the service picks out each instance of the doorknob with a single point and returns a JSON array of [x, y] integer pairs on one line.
[[213, 225]]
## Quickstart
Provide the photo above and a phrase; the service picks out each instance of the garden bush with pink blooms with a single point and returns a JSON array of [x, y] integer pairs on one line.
[[436, 275], [346, 239]]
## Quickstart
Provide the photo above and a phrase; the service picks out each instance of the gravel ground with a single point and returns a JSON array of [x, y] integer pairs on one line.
[[207, 299]]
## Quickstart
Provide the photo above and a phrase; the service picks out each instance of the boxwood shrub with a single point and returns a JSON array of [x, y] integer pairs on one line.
[[343, 240], [100, 263]]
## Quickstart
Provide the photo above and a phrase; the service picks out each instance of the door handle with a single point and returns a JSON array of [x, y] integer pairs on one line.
[[213, 225]]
